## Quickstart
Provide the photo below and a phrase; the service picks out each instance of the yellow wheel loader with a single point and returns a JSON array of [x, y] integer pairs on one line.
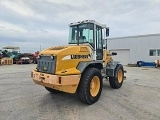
[[80, 66]]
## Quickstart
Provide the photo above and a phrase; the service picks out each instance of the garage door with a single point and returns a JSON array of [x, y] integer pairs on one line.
[[122, 56]]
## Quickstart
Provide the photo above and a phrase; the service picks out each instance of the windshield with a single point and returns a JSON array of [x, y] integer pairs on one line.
[[82, 31]]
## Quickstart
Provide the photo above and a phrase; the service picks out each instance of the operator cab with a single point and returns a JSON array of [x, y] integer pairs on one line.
[[89, 32]]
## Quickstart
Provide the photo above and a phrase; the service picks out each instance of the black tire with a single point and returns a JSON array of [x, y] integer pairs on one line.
[[90, 86], [139, 64], [117, 81], [52, 90]]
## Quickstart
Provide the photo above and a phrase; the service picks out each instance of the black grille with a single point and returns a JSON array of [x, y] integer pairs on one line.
[[46, 64]]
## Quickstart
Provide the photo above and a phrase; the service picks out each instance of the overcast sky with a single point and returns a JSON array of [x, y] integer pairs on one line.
[[30, 24]]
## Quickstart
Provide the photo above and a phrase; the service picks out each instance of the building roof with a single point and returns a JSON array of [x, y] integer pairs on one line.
[[11, 47], [156, 34]]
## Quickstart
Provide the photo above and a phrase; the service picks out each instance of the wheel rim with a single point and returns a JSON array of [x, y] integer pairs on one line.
[[120, 76], [94, 86]]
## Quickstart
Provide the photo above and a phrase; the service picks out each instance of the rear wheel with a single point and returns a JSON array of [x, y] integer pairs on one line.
[[52, 90], [90, 86], [117, 81]]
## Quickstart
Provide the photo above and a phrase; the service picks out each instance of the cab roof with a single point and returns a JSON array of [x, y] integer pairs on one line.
[[88, 21]]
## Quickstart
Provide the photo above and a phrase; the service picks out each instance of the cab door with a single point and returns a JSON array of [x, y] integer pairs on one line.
[[99, 43]]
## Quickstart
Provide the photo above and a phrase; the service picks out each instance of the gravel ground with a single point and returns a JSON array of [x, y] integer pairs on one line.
[[21, 99]]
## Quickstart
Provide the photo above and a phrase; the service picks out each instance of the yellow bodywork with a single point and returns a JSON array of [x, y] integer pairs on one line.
[[62, 83], [66, 77], [65, 65], [106, 57]]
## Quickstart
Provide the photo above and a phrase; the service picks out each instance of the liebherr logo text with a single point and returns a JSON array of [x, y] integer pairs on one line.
[[79, 56]]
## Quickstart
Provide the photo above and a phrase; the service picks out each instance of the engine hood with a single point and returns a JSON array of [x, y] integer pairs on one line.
[[68, 57], [64, 50]]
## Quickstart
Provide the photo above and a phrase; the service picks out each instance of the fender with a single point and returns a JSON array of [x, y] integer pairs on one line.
[[110, 68], [83, 65]]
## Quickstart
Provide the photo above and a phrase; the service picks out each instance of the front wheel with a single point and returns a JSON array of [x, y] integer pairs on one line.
[[117, 81], [90, 86]]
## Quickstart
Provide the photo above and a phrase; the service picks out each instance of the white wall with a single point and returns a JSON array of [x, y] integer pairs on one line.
[[138, 45], [122, 56]]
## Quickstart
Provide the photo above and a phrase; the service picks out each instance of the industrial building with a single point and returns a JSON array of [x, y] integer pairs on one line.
[[135, 48]]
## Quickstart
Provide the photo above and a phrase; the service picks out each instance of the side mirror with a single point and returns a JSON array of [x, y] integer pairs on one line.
[[107, 32], [113, 53]]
